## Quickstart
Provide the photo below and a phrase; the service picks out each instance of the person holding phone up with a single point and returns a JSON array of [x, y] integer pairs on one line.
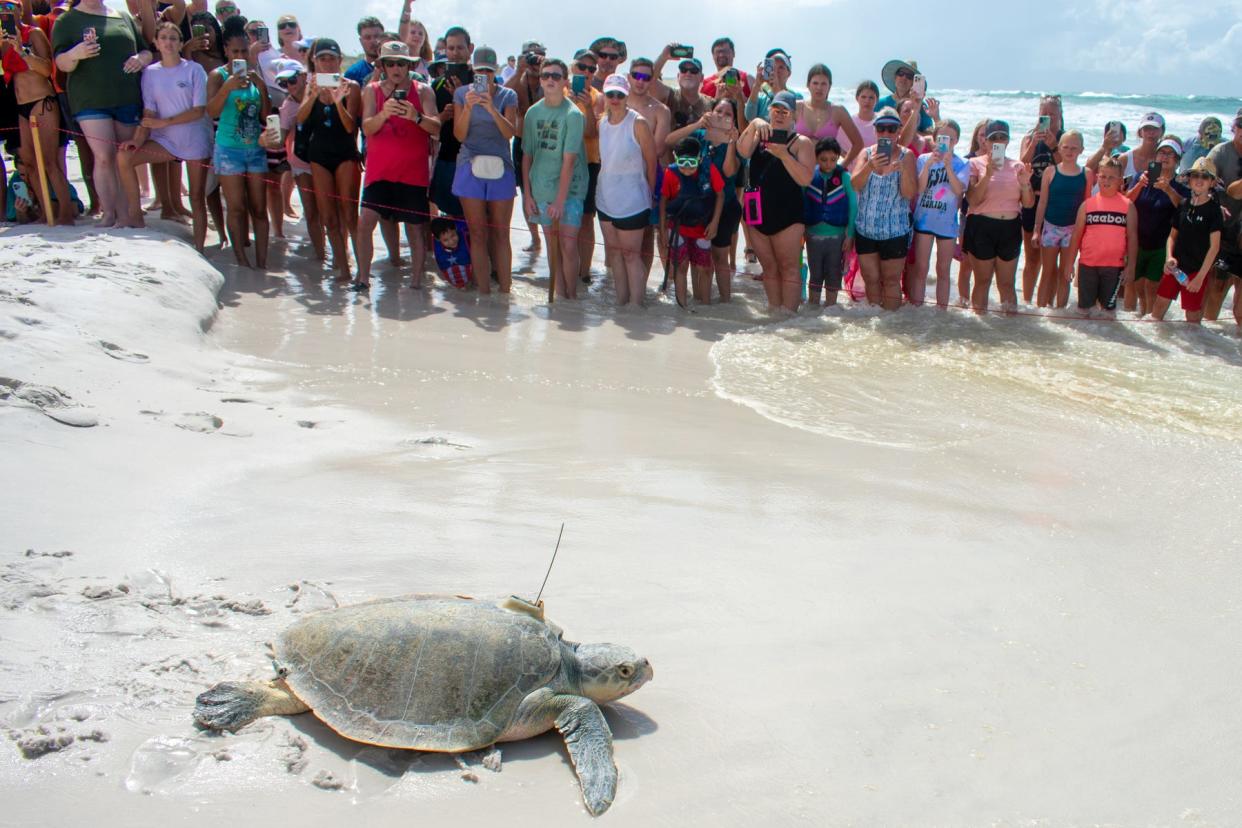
[[486, 182], [27, 59], [396, 122], [1038, 152], [771, 79], [999, 189], [906, 84], [329, 117], [885, 179], [1157, 195], [590, 102], [101, 52], [237, 99]]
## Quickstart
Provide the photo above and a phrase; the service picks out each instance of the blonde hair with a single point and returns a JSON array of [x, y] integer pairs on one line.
[[424, 51], [1072, 133]]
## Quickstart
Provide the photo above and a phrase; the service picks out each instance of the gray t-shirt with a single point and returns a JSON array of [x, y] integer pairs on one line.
[[484, 137], [1228, 170]]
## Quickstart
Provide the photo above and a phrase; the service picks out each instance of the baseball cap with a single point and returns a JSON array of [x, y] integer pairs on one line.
[[784, 99], [287, 69], [325, 45], [617, 83], [887, 117], [304, 43], [533, 46], [485, 58], [1152, 119], [695, 62], [996, 128], [1202, 166], [1172, 143], [782, 56]]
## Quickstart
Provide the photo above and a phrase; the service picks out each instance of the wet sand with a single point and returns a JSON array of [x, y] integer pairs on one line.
[[1028, 621]]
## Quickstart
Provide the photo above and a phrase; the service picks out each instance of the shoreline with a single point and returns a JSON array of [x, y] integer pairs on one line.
[[842, 633]]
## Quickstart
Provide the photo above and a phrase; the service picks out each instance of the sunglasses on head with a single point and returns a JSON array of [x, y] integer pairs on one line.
[[551, 76], [609, 55], [613, 96], [288, 24], [641, 76], [589, 68]]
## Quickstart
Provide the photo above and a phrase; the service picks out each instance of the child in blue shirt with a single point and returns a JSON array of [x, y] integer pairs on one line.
[[943, 179]]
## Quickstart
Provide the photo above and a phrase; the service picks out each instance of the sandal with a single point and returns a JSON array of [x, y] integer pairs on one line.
[[360, 287]]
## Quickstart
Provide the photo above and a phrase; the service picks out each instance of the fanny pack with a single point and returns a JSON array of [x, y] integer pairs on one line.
[[487, 167]]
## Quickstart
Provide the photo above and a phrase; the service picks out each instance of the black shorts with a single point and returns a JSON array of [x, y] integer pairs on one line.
[[889, 249], [730, 218], [517, 163], [1228, 263], [588, 203], [993, 238], [70, 129], [638, 221], [394, 201], [1098, 285], [1028, 217]]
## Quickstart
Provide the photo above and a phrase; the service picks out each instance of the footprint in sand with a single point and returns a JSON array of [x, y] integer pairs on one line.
[[51, 401], [123, 354], [199, 421]]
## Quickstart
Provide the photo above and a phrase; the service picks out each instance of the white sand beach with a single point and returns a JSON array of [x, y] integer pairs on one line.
[[910, 569]]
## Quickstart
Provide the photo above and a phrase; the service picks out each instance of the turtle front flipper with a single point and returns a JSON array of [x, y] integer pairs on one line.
[[586, 734], [231, 705]]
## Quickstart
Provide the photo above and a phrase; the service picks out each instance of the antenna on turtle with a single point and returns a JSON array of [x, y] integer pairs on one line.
[[550, 563]]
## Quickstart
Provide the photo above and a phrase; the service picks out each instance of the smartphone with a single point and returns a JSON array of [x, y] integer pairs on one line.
[[920, 86], [88, 34], [769, 67], [327, 80], [752, 208], [779, 136], [399, 94], [198, 30], [998, 154], [578, 84], [1114, 131], [681, 52], [9, 23], [273, 124], [261, 35], [1045, 124], [942, 144], [884, 146], [1154, 170], [239, 67], [730, 77]]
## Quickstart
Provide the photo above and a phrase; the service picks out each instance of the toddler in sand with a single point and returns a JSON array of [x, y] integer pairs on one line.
[[452, 253]]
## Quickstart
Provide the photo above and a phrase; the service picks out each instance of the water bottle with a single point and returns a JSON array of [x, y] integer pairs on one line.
[[1180, 276]]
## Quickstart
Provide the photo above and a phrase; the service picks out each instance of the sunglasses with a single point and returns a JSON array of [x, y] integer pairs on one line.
[[691, 70], [614, 96], [641, 76], [893, 129], [551, 76], [288, 24], [284, 84], [390, 64], [903, 73], [609, 55], [589, 68], [1200, 175]]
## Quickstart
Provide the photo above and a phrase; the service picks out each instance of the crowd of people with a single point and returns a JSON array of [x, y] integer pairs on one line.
[[441, 137]]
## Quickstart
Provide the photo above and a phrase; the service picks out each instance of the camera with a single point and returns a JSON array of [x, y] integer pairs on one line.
[[532, 58]]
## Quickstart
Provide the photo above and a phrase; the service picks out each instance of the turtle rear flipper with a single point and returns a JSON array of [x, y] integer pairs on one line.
[[232, 705]]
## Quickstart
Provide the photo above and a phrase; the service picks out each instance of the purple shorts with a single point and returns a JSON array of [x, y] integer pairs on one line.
[[466, 185]]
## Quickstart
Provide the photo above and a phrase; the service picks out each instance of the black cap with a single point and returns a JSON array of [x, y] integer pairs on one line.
[[325, 45], [996, 128]]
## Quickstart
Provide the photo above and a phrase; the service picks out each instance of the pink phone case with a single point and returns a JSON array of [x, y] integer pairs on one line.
[[752, 208]]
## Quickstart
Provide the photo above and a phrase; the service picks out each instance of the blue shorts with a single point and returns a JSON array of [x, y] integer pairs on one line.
[[129, 114], [571, 218], [442, 176], [239, 161], [467, 185]]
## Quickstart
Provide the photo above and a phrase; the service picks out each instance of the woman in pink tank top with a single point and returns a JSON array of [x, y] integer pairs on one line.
[[818, 119], [398, 120]]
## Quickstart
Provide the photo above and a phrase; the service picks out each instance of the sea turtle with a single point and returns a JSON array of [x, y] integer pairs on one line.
[[443, 673]]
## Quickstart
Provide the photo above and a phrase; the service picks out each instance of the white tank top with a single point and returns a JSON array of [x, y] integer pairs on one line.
[[622, 189]]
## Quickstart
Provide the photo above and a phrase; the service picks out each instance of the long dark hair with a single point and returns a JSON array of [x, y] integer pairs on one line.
[[209, 20]]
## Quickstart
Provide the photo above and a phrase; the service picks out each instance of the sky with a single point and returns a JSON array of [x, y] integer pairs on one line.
[[1122, 46]]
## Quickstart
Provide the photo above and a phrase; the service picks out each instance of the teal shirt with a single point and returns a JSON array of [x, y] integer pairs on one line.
[[549, 133], [239, 126]]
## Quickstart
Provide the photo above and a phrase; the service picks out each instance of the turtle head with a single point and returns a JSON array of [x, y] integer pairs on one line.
[[607, 672]]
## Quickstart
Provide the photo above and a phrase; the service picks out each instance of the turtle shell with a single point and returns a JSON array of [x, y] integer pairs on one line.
[[425, 672]]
